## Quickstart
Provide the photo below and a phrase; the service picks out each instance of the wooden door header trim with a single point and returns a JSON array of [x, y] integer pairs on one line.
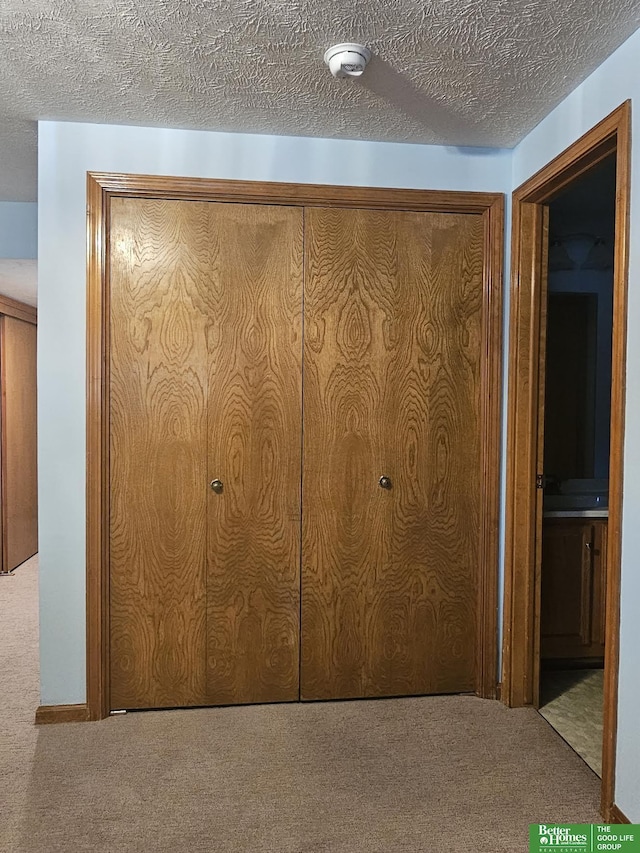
[[13, 308], [307, 195], [592, 147]]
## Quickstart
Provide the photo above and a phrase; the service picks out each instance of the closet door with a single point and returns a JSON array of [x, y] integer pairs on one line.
[[205, 304], [19, 436], [160, 272], [254, 450], [392, 465]]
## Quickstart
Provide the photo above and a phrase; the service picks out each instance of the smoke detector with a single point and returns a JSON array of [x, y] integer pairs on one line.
[[347, 60]]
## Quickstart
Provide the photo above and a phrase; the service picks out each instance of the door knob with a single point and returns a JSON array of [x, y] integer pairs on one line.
[[216, 486], [385, 482]]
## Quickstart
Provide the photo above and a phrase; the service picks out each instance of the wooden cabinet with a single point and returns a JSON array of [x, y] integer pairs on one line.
[[18, 453], [573, 589]]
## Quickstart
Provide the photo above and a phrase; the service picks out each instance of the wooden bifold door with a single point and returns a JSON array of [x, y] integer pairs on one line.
[[206, 354], [18, 435], [295, 451]]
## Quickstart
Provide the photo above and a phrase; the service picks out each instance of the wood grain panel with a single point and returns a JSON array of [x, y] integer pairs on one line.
[[393, 323], [255, 422], [19, 440], [160, 264]]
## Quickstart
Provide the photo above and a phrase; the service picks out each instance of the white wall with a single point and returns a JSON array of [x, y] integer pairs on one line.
[[18, 229], [615, 81], [66, 152]]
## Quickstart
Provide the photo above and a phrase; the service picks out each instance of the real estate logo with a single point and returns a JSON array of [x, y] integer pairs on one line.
[[583, 838], [562, 838]]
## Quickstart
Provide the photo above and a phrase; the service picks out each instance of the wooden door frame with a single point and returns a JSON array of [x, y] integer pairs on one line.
[[101, 188], [522, 585], [19, 310]]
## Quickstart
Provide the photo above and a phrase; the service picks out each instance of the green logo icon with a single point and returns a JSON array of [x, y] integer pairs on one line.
[[584, 838]]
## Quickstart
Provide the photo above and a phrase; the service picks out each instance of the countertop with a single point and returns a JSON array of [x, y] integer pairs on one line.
[[576, 513]]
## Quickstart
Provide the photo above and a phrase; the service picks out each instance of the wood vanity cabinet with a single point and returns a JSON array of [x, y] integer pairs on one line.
[[573, 589]]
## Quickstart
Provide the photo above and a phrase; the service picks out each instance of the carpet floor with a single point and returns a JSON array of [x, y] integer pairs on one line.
[[446, 774]]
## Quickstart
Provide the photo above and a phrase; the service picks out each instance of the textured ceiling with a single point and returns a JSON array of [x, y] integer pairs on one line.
[[19, 280], [458, 72]]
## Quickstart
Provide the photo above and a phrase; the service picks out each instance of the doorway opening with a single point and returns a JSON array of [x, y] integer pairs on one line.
[[605, 147], [577, 414]]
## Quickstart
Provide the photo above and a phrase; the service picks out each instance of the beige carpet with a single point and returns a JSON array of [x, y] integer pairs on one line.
[[571, 701], [441, 774]]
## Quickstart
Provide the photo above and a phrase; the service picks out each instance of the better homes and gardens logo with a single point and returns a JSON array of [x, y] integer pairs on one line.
[[563, 838], [583, 838]]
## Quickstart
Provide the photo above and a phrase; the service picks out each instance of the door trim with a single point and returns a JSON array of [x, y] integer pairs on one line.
[[101, 188], [19, 310], [522, 586]]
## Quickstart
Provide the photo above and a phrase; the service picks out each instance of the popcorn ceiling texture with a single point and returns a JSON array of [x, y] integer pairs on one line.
[[456, 72], [18, 150], [19, 280]]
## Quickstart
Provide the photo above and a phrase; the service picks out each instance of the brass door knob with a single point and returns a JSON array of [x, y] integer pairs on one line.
[[216, 486], [385, 482]]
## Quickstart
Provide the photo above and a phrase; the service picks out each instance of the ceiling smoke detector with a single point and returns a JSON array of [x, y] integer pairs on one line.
[[347, 60]]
